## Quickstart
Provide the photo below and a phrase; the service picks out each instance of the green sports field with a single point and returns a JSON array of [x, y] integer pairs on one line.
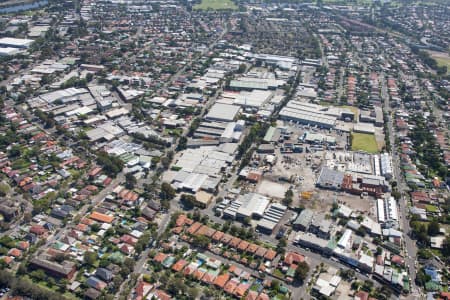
[[364, 142], [216, 5]]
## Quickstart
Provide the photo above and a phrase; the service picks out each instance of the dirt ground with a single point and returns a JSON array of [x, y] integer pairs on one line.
[[322, 200], [272, 189], [343, 291], [379, 136]]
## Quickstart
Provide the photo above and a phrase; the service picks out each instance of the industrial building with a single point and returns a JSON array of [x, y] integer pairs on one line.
[[303, 220], [225, 132], [272, 135], [376, 165], [386, 166], [252, 206], [15, 43], [193, 182], [375, 117], [346, 241], [283, 62], [318, 139], [321, 227], [253, 100], [250, 84], [330, 179], [308, 114], [367, 128], [387, 212], [272, 216], [7, 51], [205, 160], [310, 241], [222, 112]]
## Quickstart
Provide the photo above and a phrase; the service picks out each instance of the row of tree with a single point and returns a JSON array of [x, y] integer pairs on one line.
[[112, 165], [26, 288]]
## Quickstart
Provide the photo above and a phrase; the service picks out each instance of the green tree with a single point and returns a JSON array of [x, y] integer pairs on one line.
[[177, 286], [90, 258], [282, 243], [201, 241], [433, 228], [4, 189], [182, 143], [112, 165], [130, 181], [242, 68], [301, 273], [288, 197], [167, 191], [446, 247], [189, 201], [193, 292]]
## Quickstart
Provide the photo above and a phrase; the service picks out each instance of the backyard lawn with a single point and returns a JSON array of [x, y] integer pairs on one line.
[[216, 5], [364, 142], [431, 208]]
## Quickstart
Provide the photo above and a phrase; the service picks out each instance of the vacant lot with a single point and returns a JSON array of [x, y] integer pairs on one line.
[[216, 5], [364, 142], [272, 189]]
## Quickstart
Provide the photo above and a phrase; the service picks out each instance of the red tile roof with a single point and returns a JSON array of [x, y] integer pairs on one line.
[[101, 217], [235, 242], [231, 286], [160, 257], [194, 227], [190, 269], [217, 236], [181, 220], [241, 289], [252, 248], [263, 296], [15, 252], [198, 274], [7, 259], [243, 245], [261, 251], [162, 295], [38, 229], [179, 265], [293, 258], [208, 278], [252, 295], [270, 254], [226, 238], [221, 280], [23, 245]]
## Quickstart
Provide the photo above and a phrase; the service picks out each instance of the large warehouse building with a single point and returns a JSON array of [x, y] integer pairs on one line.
[[253, 206], [315, 115], [306, 113], [222, 112], [15, 43]]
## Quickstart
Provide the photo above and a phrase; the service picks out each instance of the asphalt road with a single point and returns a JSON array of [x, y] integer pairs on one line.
[[410, 245]]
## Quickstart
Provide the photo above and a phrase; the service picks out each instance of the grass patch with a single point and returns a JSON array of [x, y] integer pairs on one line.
[[443, 62], [364, 142], [277, 273], [216, 5], [431, 208], [442, 59], [174, 132]]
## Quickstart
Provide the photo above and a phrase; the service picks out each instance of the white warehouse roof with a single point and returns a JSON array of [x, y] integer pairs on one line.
[[253, 205], [16, 43], [223, 112]]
